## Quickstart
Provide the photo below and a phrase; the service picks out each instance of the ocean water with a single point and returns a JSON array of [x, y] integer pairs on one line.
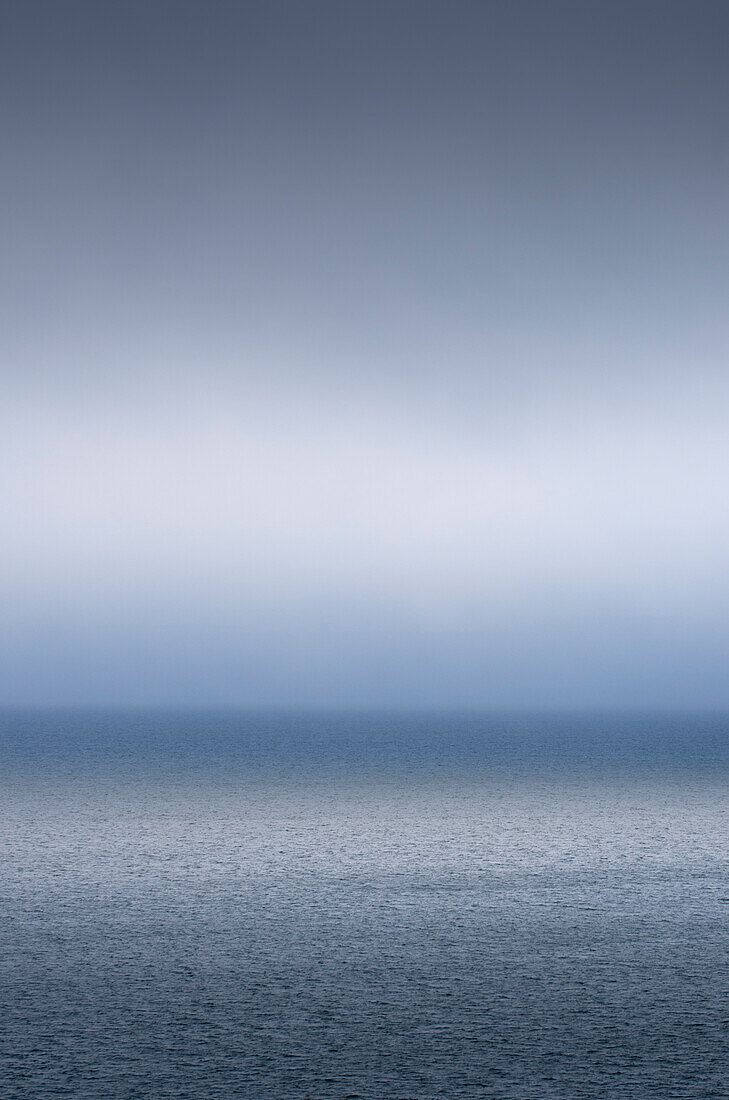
[[377, 906]]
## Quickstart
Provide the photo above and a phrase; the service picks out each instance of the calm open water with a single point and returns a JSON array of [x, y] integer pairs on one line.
[[373, 906]]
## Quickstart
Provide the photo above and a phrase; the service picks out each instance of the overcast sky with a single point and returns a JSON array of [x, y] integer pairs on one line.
[[364, 353]]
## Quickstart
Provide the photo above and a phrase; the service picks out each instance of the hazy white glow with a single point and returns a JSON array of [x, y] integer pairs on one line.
[[234, 500]]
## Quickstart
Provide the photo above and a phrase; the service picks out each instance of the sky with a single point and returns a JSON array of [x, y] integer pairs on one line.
[[364, 354]]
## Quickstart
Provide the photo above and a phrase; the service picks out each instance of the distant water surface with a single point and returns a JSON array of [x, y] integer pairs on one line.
[[375, 906]]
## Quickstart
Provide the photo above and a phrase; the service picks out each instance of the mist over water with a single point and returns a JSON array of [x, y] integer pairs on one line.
[[382, 906], [360, 354]]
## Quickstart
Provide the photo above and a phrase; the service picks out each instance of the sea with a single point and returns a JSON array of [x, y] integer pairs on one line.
[[389, 905]]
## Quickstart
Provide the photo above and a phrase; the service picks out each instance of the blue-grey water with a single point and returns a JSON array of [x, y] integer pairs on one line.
[[375, 906]]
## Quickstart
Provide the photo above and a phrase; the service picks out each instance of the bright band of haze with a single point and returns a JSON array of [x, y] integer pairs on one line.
[[365, 353]]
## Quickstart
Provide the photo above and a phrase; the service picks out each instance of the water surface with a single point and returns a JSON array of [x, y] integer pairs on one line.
[[381, 906]]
